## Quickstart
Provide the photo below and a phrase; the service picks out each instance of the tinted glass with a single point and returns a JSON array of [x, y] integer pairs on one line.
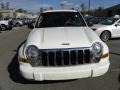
[[109, 21], [60, 19]]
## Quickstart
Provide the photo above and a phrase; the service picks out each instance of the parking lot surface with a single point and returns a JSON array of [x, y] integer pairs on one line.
[[10, 78]]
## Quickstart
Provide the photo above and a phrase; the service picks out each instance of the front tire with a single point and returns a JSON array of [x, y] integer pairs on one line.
[[105, 36], [18, 25], [4, 27], [11, 27]]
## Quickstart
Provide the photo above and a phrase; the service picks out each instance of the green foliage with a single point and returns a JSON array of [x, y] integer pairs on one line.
[[41, 9], [2, 5], [21, 10], [83, 7], [14, 14], [7, 5]]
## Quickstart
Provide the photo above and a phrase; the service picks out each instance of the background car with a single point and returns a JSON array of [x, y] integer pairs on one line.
[[0, 27], [6, 24], [109, 28], [17, 22], [94, 20]]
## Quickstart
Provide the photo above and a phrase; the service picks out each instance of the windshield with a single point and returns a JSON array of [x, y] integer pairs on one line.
[[109, 21], [60, 19]]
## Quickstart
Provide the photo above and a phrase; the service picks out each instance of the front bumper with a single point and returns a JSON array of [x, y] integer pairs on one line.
[[64, 73]]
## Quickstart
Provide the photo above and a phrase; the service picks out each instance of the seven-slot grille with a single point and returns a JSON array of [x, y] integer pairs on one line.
[[64, 57]]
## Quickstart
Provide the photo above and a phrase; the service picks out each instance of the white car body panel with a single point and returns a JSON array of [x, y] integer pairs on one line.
[[20, 22], [62, 73], [44, 38]]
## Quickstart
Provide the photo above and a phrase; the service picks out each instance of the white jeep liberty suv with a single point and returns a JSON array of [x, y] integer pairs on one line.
[[61, 46]]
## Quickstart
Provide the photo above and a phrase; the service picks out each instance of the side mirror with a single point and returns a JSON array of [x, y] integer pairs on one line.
[[117, 24], [90, 24], [31, 25]]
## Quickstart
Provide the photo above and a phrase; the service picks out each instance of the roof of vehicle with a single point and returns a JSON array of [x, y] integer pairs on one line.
[[59, 11]]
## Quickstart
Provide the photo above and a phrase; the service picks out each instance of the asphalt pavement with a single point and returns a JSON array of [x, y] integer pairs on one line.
[[10, 78]]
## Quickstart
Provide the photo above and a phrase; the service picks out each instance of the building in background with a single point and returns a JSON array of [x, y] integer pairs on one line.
[[7, 13], [110, 11], [11, 13]]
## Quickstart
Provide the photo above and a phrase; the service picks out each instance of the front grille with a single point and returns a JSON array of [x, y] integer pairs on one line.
[[63, 57]]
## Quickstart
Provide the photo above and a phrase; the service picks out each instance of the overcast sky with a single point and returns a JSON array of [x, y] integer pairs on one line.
[[34, 5]]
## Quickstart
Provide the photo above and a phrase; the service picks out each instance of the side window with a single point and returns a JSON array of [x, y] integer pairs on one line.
[[118, 22]]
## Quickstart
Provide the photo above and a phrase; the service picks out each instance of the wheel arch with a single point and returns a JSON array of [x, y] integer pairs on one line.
[[3, 24], [5, 27]]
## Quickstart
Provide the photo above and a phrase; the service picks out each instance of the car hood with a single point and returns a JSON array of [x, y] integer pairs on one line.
[[97, 26], [62, 37]]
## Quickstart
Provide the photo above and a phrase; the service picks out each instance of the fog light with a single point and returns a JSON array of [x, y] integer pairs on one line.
[[22, 60], [104, 55]]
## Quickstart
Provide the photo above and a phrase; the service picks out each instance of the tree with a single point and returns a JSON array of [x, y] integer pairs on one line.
[[1, 16], [83, 7], [51, 8], [62, 5], [7, 5], [21, 10], [41, 9], [100, 8], [2, 6], [97, 11], [14, 14]]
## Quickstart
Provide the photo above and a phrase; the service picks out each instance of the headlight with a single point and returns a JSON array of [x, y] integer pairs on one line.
[[32, 53], [97, 50]]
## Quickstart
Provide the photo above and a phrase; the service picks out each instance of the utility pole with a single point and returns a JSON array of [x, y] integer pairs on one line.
[[89, 6]]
